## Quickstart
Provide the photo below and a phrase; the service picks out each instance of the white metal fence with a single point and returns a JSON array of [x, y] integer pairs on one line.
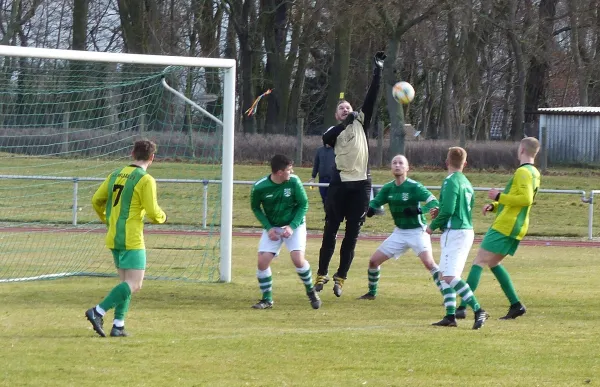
[[584, 197]]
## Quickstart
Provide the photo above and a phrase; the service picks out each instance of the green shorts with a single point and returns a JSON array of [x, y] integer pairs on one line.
[[497, 243], [129, 259]]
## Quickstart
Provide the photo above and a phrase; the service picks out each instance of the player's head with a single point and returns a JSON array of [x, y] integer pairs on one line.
[[399, 166], [529, 147], [342, 110], [456, 158], [281, 166], [143, 150]]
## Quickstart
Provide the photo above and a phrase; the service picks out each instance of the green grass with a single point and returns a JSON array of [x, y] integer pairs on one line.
[[190, 334], [35, 201]]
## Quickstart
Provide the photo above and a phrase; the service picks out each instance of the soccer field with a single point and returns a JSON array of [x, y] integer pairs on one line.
[[194, 334]]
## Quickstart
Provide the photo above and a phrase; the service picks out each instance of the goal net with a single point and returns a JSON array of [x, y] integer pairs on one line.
[[70, 118]]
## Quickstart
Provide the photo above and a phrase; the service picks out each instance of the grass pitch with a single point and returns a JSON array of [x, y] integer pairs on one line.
[[190, 334]]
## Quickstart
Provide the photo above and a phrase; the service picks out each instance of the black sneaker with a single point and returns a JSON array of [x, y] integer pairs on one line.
[[118, 332], [338, 284], [480, 317], [96, 320], [315, 301], [461, 312], [320, 281], [447, 321], [263, 304], [514, 311], [367, 296]]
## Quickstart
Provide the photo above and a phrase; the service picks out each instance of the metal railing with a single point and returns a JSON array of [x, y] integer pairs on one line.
[[205, 182]]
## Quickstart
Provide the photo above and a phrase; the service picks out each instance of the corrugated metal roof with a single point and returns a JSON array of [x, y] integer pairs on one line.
[[573, 110]]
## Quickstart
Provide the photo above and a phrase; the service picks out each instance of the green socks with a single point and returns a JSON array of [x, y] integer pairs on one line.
[[305, 275], [265, 282], [473, 280], [505, 283], [373, 275], [118, 295]]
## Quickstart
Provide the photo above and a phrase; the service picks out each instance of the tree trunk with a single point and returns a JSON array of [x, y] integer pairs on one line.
[[535, 88], [338, 74], [516, 130], [395, 110]]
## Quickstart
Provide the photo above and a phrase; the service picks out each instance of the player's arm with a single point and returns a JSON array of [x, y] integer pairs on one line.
[[449, 196], [330, 136], [524, 193], [425, 196], [379, 200], [150, 203], [368, 105], [258, 212], [301, 205], [99, 200], [315, 169]]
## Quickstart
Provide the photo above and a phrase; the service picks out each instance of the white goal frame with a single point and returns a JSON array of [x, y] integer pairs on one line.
[[228, 118]]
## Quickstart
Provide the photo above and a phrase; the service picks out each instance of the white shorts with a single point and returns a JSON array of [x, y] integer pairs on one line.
[[456, 245], [401, 240], [296, 242]]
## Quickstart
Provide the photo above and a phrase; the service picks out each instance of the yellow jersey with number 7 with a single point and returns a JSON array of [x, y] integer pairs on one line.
[[122, 201], [515, 202]]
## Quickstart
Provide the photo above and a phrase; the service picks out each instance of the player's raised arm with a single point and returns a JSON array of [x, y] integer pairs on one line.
[[150, 203], [447, 205], [368, 105], [99, 200], [301, 203], [255, 204], [523, 197]]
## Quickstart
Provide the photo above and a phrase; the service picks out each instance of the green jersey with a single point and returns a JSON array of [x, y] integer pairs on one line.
[[456, 203], [403, 198], [282, 204]]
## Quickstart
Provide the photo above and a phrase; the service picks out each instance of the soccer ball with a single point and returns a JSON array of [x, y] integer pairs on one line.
[[403, 92]]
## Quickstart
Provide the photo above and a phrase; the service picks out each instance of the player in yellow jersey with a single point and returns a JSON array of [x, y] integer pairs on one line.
[[512, 208], [124, 198]]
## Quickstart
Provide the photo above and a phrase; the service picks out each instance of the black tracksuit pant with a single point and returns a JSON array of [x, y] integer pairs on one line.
[[349, 201]]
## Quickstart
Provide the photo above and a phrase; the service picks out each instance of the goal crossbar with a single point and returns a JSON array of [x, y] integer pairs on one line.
[[226, 227]]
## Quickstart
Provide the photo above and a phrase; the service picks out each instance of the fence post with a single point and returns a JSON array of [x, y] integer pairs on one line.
[[142, 127], [65, 144], [463, 136], [204, 203], [379, 160], [300, 140], [543, 149], [75, 204]]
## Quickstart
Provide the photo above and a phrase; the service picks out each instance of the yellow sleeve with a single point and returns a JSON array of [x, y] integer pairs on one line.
[[522, 188], [149, 202], [99, 200], [494, 206]]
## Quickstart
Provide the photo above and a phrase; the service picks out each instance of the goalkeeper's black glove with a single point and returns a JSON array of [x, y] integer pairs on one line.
[[370, 212], [378, 59], [350, 118], [412, 211]]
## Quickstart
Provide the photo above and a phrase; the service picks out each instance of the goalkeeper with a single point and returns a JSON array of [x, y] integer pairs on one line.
[[350, 186], [122, 200], [404, 197]]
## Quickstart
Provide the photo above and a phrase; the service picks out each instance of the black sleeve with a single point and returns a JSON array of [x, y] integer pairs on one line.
[[331, 135], [316, 164], [371, 98]]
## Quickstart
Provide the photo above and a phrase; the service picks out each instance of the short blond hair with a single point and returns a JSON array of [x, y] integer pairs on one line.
[[531, 146], [456, 157]]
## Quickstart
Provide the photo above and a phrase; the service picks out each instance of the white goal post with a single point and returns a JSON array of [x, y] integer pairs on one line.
[[229, 66]]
